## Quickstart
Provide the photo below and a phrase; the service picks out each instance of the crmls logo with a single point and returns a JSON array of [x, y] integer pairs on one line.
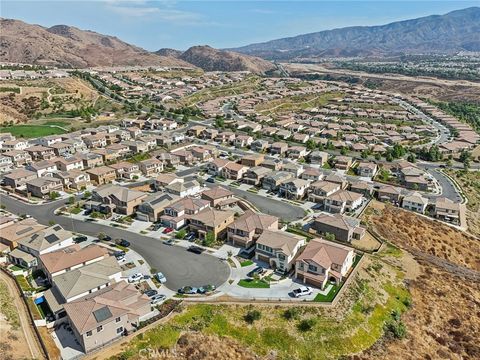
[[150, 353]]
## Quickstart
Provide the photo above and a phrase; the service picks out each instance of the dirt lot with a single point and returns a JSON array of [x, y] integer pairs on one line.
[[419, 234]]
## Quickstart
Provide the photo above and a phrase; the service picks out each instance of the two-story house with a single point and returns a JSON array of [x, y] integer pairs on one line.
[[178, 213], [246, 229], [344, 228]]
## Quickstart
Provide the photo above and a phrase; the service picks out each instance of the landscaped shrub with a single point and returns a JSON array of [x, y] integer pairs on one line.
[[395, 329], [291, 313], [306, 324], [252, 315]]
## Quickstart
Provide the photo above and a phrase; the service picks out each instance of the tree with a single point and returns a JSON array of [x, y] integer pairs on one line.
[[465, 158], [306, 324], [364, 154], [411, 158], [344, 150], [219, 122], [209, 239], [54, 195], [181, 234], [71, 200], [329, 236], [310, 144]]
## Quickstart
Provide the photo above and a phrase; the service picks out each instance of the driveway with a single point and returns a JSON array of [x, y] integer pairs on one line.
[[180, 267]]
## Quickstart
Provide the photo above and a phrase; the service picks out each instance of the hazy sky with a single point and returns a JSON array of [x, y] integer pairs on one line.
[[180, 24]]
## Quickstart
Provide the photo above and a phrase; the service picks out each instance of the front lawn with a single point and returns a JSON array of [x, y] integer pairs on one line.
[[330, 296], [254, 283], [246, 263]]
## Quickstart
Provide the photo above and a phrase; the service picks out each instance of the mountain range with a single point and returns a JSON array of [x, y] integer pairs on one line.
[[67, 46], [436, 34]]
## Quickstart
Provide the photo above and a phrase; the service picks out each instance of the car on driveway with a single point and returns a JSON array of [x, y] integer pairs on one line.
[[302, 291], [206, 289], [169, 242], [157, 298], [188, 290], [168, 230], [80, 239], [211, 180], [135, 277], [122, 242], [150, 293], [161, 278], [257, 271], [196, 249]]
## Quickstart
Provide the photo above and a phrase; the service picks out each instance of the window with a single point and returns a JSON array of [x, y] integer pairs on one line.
[[312, 268], [120, 330], [100, 328], [89, 333], [117, 319]]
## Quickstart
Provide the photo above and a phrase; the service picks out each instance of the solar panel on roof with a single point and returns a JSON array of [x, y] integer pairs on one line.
[[57, 228], [52, 238], [102, 314]]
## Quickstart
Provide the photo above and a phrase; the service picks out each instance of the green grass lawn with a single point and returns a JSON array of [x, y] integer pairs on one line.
[[246, 263], [31, 131], [330, 296], [253, 283]]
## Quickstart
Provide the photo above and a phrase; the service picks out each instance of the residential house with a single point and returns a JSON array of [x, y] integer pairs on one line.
[[10, 235], [91, 160], [389, 193], [344, 228], [69, 163], [6, 164], [18, 178], [312, 174], [278, 249], [322, 262], [242, 141], [294, 189], [163, 180], [73, 179], [178, 213], [252, 160], [320, 190], [18, 157], [95, 141], [154, 205], [219, 197], [126, 170], [255, 175], [48, 140], [367, 169], [120, 199], [273, 181], [100, 318], [185, 188], [211, 221], [342, 201], [44, 186], [102, 175], [234, 171], [343, 162], [40, 152], [259, 145], [447, 210], [246, 229], [295, 169], [215, 167], [42, 167], [151, 167], [297, 152], [279, 148], [415, 202]]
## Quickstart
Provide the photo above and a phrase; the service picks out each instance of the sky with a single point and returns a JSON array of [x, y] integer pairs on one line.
[[228, 23]]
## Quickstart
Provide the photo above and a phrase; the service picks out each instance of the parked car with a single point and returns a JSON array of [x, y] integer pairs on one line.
[[168, 230], [80, 239], [196, 249], [118, 254], [107, 238], [161, 278], [211, 180], [122, 242], [146, 277], [121, 258], [135, 277], [188, 290], [206, 289], [156, 227], [150, 293], [87, 212], [169, 242], [257, 271], [302, 291], [157, 298], [190, 236]]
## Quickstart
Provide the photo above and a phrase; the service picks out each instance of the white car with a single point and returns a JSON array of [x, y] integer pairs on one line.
[[161, 278], [302, 291], [135, 277], [157, 298]]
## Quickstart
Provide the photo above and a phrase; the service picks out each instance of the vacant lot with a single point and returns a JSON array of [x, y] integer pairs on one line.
[[417, 233], [469, 182]]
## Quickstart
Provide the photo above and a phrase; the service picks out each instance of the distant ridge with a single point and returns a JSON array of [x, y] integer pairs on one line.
[[436, 34]]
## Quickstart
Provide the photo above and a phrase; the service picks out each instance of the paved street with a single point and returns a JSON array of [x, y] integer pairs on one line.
[[179, 266]]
